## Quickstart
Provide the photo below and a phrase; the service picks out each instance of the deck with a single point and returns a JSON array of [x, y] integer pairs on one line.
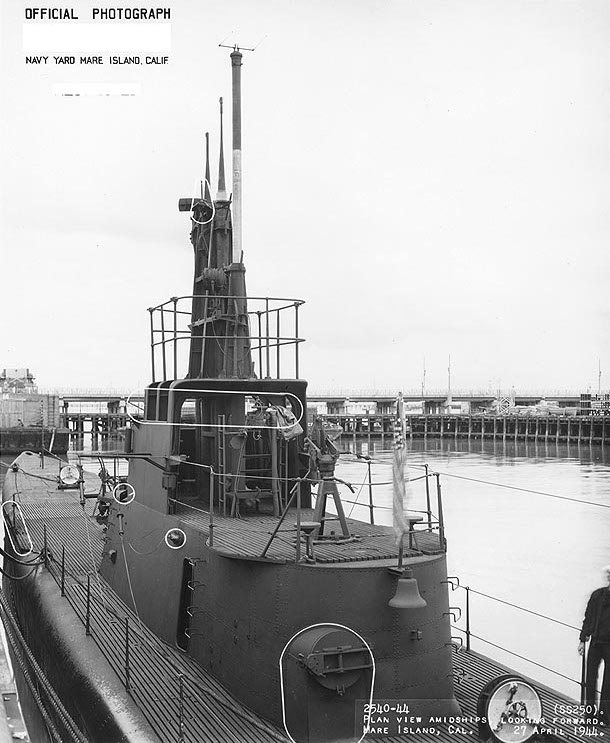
[[246, 538], [177, 697]]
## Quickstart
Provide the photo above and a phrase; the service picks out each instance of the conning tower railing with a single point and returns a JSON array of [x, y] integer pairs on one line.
[[273, 334], [424, 518]]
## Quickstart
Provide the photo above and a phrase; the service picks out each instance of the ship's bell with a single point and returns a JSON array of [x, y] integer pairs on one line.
[[407, 594]]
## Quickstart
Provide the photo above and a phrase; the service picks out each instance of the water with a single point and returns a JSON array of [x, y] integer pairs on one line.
[[541, 552]]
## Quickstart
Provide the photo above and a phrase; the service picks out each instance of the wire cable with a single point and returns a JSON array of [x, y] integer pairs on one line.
[[522, 657], [522, 608], [18, 577], [37, 477], [91, 554], [70, 726], [133, 598], [38, 559], [150, 552], [523, 490], [355, 502], [498, 485]]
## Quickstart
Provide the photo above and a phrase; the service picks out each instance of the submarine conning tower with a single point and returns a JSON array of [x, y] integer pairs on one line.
[[225, 366], [302, 621], [220, 344]]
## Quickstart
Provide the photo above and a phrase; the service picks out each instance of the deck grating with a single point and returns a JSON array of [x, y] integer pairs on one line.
[[209, 712], [247, 538]]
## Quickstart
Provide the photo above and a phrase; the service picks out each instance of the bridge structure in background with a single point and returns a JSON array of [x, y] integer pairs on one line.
[[335, 402], [433, 402]]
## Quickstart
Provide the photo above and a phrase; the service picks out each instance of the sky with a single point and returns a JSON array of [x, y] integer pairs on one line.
[[432, 177]]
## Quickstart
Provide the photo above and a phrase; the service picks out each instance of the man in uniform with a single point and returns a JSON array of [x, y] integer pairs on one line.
[[597, 627]]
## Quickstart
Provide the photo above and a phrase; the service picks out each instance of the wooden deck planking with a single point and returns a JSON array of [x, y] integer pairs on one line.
[[247, 538], [210, 713]]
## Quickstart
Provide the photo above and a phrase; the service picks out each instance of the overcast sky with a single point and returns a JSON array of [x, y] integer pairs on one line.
[[431, 177]]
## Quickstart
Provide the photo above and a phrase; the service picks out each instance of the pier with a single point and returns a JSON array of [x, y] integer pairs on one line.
[[380, 426], [97, 425], [105, 415], [551, 428]]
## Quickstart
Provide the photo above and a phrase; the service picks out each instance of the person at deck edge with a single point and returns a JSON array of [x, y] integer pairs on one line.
[[596, 626]]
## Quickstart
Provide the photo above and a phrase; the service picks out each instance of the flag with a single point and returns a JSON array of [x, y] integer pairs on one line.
[[399, 482], [400, 492]]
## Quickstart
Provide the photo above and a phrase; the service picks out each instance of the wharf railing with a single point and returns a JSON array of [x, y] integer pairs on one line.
[[275, 351]]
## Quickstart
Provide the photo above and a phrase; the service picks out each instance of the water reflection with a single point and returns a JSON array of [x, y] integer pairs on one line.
[[510, 450]]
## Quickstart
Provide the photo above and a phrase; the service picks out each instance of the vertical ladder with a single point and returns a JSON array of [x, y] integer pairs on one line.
[[222, 463], [275, 463]]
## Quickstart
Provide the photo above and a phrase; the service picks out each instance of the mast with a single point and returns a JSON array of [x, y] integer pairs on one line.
[[207, 196], [423, 381], [236, 56], [221, 194], [220, 332]]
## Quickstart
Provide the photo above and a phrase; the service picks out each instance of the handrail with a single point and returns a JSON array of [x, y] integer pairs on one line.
[[92, 611], [287, 339], [268, 342], [173, 300], [522, 657], [454, 582], [433, 523]]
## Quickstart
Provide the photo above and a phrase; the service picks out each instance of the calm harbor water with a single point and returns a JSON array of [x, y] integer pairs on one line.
[[527, 524]]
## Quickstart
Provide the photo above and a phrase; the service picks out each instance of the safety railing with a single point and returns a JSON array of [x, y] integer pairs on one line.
[[420, 522], [173, 703], [431, 521], [468, 635], [272, 333]]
